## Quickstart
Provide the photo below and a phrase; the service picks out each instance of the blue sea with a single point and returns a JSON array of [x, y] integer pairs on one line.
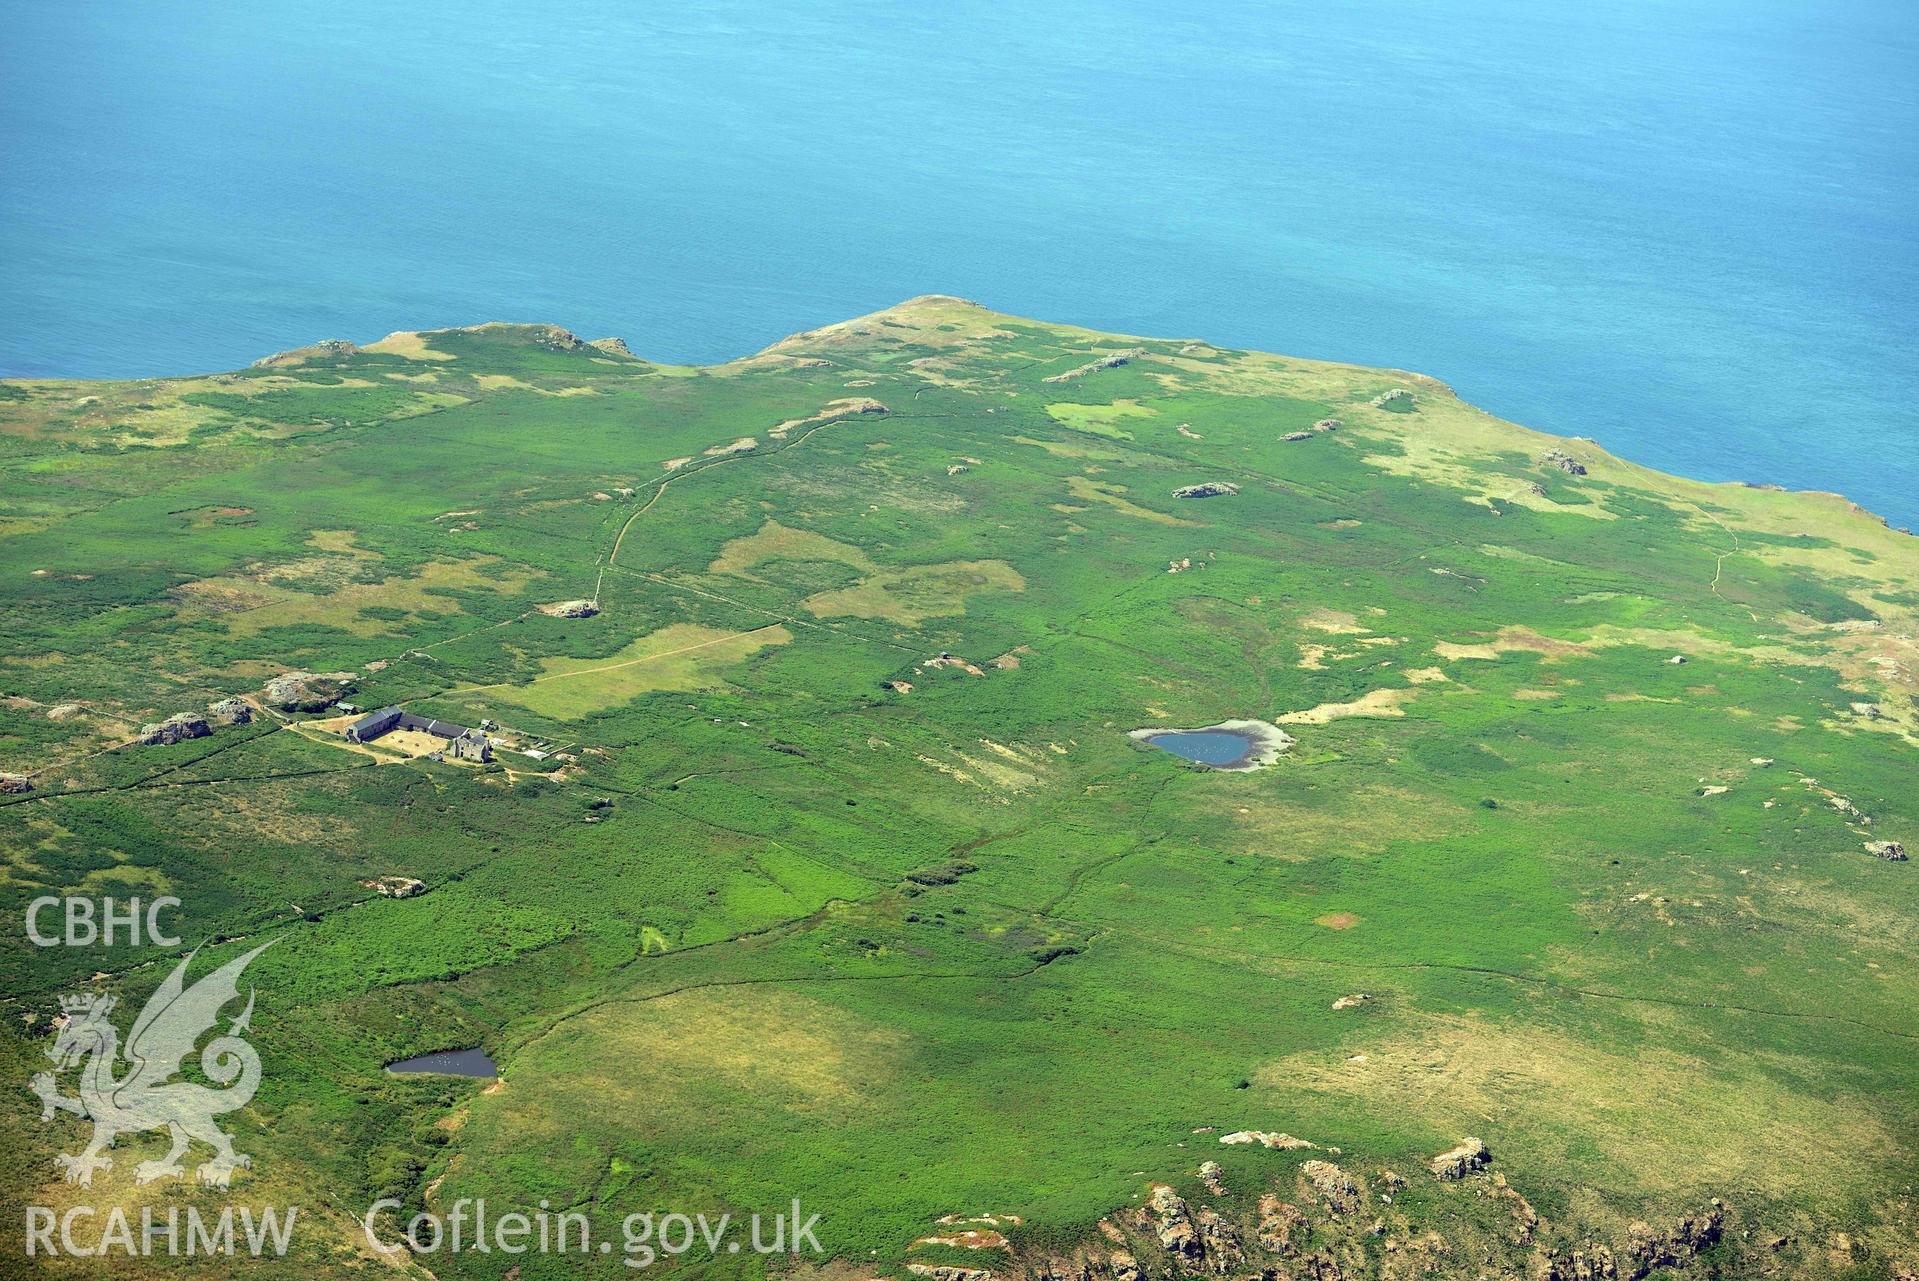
[[1686, 228]]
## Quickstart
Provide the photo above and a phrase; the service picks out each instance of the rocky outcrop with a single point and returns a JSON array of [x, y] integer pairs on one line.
[[1056, 1269], [1213, 1177], [835, 410], [1198, 1240], [1328, 424], [1207, 489], [308, 691], [1219, 1242], [612, 346], [1336, 1189], [945, 1272], [231, 711], [1317, 1266], [1458, 1162], [1590, 1262], [176, 728], [557, 338], [1891, 851], [1845, 806], [396, 886], [1297, 435], [1171, 1221], [1397, 401], [330, 349], [1113, 361], [1646, 1249], [571, 609], [1564, 461], [1524, 1215], [1265, 1139], [15, 783], [1335, 1226], [1278, 1222]]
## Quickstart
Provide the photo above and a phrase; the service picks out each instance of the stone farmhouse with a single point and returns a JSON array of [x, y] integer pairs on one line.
[[461, 743]]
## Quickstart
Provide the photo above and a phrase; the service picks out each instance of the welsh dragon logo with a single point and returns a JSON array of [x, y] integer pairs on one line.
[[146, 1095]]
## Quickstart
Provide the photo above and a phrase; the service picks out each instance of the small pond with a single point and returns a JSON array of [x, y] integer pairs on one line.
[[1216, 747], [472, 1062]]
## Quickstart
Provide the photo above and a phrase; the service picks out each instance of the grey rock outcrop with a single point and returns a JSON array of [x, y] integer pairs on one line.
[[1458, 1162], [1336, 1188], [557, 338], [1219, 1242], [308, 691], [1564, 461], [1646, 1249], [396, 886], [1112, 361], [176, 728], [327, 349], [1278, 1221], [231, 711], [1172, 1223], [944, 1272]]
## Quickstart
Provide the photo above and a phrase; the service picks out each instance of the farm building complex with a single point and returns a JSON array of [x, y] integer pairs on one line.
[[461, 743]]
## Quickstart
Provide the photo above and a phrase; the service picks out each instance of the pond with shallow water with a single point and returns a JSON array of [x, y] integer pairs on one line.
[[1235, 745], [1215, 747], [472, 1062]]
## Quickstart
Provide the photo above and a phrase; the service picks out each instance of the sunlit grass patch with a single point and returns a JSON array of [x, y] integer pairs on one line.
[[680, 656]]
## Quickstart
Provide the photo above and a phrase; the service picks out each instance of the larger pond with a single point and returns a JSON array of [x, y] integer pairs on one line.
[[472, 1062], [1215, 747], [1229, 745]]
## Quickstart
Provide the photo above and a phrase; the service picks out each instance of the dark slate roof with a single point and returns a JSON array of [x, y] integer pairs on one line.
[[376, 722], [392, 718]]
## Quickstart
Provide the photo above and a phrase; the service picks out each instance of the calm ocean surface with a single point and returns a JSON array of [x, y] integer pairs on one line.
[[1687, 228]]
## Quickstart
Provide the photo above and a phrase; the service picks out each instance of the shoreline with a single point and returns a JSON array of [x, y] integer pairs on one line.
[[1432, 382]]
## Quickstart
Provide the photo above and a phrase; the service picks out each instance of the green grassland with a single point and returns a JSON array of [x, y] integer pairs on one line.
[[805, 910]]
